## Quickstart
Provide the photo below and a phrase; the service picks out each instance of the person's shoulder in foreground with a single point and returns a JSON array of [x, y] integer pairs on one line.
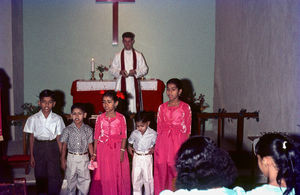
[[223, 190], [269, 189]]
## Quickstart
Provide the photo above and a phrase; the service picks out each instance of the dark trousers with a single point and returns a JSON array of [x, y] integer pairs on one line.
[[47, 167]]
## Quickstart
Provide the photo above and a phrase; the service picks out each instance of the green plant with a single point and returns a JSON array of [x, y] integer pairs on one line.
[[30, 109]]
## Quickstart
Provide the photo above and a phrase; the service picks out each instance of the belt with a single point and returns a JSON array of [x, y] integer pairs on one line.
[[77, 153], [141, 154], [54, 140]]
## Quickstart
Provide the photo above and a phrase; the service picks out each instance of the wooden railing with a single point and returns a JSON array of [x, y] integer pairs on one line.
[[220, 116]]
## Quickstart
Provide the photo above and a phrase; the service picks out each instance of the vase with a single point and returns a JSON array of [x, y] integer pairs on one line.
[[101, 76], [202, 108]]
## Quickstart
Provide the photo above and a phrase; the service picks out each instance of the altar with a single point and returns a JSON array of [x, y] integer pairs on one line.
[[88, 91]]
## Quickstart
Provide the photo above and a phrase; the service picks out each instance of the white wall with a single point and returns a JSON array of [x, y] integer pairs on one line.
[[6, 43], [176, 37], [6, 66], [257, 63]]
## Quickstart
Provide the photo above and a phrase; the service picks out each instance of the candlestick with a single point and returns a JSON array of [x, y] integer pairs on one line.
[[93, 65], [93, 75]]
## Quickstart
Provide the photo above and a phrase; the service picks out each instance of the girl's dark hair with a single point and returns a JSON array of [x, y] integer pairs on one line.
[[176, 82], [142, 117], [47, 93], [202, 165], [112, 94], [285, 155]]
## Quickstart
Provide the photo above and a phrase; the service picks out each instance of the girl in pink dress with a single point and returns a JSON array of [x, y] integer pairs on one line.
[[173, 128], [112, 176]]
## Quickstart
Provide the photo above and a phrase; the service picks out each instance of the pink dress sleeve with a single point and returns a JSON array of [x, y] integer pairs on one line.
[[97, 127], [160, 119], [123, 126], [188, 118]]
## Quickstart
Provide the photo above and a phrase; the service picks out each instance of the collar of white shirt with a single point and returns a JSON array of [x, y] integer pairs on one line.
[[41, 115]]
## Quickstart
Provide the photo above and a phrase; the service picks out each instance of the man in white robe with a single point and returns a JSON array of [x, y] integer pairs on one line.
[[127, 66]]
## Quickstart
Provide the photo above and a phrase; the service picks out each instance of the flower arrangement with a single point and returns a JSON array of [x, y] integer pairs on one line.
[[101, 68], [200, 102], [30, 109]]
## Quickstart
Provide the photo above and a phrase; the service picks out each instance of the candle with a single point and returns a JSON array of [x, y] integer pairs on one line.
[[93, 64]]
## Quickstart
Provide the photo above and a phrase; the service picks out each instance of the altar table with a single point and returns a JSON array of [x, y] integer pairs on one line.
[[88, 91]]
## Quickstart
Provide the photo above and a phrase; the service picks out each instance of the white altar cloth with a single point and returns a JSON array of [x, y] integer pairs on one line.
[[88, 85]]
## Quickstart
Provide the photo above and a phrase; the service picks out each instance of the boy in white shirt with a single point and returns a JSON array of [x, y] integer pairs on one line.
[[141, 146], [45, 128]]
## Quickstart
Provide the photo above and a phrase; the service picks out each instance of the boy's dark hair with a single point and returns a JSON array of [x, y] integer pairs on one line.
[[142, 117], [78, 106], [112, 94], [285, 155], [202, 165], [176, 82], [128, 35], [47, 93]]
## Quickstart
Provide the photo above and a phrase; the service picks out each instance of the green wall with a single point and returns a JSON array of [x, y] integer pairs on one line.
[[176, 37]]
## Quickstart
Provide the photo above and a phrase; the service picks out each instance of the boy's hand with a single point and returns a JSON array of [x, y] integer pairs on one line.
[[32, 162], [122, 156], [151, 151], [63, 164], [130, 150]]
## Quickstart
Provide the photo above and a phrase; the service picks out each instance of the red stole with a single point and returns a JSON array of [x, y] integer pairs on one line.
[[123, 79]]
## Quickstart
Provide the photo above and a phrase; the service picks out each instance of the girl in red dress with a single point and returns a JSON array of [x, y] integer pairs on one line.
[[112, 177], [173, 128]]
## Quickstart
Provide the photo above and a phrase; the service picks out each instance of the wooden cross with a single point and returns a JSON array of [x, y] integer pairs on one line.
[[115, 17]]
